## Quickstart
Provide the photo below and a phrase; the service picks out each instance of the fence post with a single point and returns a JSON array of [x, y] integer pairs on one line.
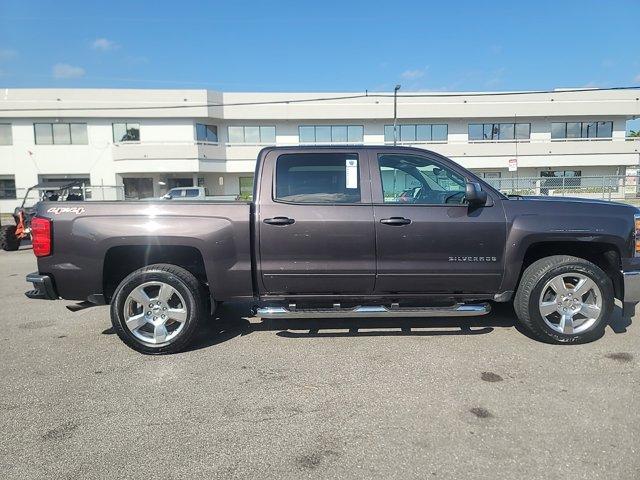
[[563, 177], [603, 187]]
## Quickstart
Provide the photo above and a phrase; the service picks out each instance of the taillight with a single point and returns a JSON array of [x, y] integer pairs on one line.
[[636, 234], [41, 236]]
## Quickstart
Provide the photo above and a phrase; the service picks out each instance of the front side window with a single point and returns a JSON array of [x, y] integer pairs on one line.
[[499, 131], [411, 179], [60, 133], [331, 133], [206, 133], [252, 134], [318, 178], [5, 134], [417, 133], [126, 132]]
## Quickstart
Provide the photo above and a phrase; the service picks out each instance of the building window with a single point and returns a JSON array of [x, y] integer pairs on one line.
[[331, 133], [60, 133], [126, 132], [560, 178], [499, 131], [5, 134], [206, 133], [490, 175], [563, 130], [252, 134], [7, 187], [246, 188], [137, 188], [417, 133]]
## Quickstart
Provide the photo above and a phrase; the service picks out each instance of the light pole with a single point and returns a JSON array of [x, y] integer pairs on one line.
[[395, 115]]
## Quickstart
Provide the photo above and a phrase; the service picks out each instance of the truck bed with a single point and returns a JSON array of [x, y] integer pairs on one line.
[[87, 234]]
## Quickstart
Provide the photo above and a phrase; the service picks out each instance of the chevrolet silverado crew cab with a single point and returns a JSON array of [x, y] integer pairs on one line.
[[343, 232]]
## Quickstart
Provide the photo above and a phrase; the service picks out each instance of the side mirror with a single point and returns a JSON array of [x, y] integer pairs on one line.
[[474, 194]]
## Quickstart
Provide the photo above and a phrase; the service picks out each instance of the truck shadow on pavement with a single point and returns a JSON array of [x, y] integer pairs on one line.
[[233, 320]]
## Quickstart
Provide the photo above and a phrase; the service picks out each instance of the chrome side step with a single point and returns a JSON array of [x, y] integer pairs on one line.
[[375, 311]]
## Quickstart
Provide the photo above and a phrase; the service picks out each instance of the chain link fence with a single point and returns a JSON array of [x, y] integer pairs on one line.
[[617, 188]]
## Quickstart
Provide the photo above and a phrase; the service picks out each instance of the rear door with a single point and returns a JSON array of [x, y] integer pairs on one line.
[[428, 239], [315, 223]]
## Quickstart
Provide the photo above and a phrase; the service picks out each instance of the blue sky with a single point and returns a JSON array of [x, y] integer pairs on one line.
[[320, 45]]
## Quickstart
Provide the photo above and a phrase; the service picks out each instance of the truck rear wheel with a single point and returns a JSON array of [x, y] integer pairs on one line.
[[564, 299], [8, 239], [157, 309]]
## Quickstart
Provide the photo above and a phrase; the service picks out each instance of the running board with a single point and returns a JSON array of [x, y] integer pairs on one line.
[[374, 311]]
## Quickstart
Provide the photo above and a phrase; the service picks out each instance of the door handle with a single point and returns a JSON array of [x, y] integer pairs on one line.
[[396, 221], [279, 221]]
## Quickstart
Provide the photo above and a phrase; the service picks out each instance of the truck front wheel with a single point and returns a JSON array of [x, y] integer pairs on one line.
[[564, 299], [157, 309]]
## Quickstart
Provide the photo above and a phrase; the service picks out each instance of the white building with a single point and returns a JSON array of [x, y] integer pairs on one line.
[[146, 141]]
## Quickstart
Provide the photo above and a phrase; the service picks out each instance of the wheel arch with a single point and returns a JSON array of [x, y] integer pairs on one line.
[[122, 260], [605, 255]]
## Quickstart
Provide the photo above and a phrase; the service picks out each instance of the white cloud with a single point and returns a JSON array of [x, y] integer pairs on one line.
[[104, 44], [64, 70], [7, 54], [413, 74]]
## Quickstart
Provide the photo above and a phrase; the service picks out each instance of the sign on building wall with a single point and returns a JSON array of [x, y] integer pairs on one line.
[[513, 164]]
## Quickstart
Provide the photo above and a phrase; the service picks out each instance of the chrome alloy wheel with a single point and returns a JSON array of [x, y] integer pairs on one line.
[[155, 312], [570, 303]]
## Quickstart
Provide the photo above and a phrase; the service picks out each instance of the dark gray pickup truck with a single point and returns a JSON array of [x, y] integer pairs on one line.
[[343, 232]]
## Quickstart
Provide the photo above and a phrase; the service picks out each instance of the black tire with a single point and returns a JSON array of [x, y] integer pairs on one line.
[[8, 239], [184, 283], [536, 276]]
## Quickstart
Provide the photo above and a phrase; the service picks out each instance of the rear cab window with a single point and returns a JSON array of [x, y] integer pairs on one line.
[[318, 178]]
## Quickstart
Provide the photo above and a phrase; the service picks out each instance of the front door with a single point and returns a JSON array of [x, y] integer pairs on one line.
[[428, 239], [316, 233]]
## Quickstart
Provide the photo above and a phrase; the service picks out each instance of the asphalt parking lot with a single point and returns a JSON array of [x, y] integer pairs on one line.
[[369, 399]]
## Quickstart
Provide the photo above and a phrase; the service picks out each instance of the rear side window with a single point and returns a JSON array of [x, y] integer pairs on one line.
[[318, 178], [191, 192]]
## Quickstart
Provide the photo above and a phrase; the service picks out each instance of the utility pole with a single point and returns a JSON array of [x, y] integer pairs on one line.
[[395, 115]]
